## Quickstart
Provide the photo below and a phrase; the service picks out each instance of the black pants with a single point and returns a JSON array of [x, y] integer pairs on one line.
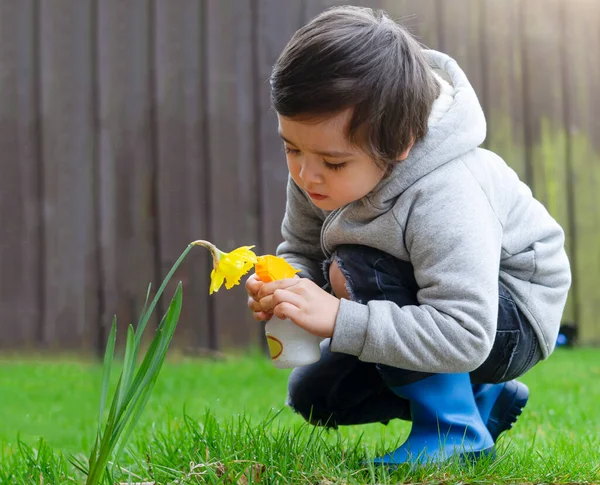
[[342, 390]]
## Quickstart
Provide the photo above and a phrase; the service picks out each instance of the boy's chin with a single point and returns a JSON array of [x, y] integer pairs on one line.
[[327, 204]]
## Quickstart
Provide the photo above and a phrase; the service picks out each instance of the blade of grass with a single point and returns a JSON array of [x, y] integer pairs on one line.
[[79, 464]]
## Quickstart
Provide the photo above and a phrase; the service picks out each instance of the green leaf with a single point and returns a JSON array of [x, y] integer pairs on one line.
[[138, 409], [146, 364], [128, 366], [160, 291], [148, 374], [108, 359], [133, 392], [93, 455], [137, 394], [99, 457], [145, 308]]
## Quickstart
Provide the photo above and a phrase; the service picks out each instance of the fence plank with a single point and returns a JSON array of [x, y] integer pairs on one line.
[[544, 117], [460, 37], [233, 175], [70, 275], [501, 66], [183, 201], [582, 79], [125, 161], [312, 8], [20, 250]]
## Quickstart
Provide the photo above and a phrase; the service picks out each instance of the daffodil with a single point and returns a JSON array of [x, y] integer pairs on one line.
[[228, 267]]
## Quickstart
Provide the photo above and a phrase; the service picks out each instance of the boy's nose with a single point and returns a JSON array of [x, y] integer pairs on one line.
[[309, 174]]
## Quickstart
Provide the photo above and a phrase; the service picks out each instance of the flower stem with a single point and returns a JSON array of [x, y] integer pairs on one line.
[[160, 291], [216, 253]]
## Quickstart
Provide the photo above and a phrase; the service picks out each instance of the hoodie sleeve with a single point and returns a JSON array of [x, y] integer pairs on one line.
[[454, 240], [301, 231]]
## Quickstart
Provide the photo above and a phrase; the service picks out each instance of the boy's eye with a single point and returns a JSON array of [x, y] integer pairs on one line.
[[334, 166], [291, 151]]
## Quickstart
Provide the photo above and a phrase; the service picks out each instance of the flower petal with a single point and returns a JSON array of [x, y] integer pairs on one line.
[[232, 266], [244, 252], [216, 280]]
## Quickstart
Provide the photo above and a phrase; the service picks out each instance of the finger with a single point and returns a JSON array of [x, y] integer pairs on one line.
[[288, 296], [280, 296], [254, 305], [262, 316], [253, 279], [253, 288], [269, 288], [287, 310], [266, 304]]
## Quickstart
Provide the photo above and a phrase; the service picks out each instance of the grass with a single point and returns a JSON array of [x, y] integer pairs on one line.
[[225, 421]]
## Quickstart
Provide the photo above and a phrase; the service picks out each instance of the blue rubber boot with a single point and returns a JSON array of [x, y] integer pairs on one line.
[[500, 404], [446, 423]]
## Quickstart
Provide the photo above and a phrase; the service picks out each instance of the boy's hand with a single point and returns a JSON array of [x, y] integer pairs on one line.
[[253, 285], [303, 302]]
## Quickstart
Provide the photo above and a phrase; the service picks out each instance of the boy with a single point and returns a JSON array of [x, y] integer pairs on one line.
[[444, 279]]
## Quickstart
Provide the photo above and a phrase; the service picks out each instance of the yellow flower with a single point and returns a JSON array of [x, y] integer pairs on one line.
[[228, 267], [271, 268]]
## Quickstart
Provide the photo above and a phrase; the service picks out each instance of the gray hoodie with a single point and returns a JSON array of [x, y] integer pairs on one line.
[[463, 219]]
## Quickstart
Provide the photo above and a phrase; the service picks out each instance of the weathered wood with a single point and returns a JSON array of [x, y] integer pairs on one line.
[[312, 8], [126, 228], [501, 66], [129, 129], [68, 151], [20, 210], [582, 78], [231, 109], [181, 175], [545, 133], [460, 37]]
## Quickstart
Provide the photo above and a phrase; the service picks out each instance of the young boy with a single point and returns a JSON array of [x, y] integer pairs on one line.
[[444, 279]]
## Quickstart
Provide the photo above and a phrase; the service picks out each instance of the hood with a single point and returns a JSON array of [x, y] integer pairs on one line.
[[460, 128]]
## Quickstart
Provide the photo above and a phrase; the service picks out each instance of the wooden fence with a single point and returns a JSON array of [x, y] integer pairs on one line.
[[130, 128]]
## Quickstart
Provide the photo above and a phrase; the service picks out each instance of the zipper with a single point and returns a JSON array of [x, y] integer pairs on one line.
[[326, 223]]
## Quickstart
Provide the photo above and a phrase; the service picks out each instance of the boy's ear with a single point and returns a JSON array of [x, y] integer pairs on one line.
[[405, 153]]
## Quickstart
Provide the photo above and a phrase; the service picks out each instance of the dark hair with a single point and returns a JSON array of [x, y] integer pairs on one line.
[[353, 57]]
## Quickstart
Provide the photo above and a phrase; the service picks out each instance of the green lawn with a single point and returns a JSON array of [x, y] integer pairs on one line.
[[210, 419]]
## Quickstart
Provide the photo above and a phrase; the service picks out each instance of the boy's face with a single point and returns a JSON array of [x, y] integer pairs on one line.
[[324, 164]]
